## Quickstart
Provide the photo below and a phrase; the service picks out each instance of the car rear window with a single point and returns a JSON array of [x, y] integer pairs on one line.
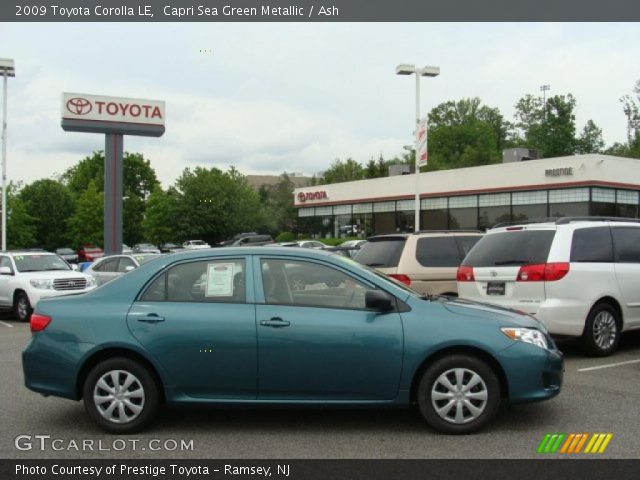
[[522, 247], [444, 251], [382, 253]]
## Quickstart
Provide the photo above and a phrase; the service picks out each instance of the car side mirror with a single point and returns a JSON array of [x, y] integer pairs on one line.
[[5, 271], [74, 267], [128, 268], [378, 300]]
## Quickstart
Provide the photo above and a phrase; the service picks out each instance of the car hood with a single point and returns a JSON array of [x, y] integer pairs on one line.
[[490, 312], [54, 274]]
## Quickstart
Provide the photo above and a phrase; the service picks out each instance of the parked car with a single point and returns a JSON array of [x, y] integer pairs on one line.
[[350, 247], [425, 261], [579, 276], [126, 248], [252, 241], [195, 244], [145, 248], [170, 247], [26, 277], [89, 253], [301, 243], [107, 268], [229, 242], [367, 341], [67, 254]]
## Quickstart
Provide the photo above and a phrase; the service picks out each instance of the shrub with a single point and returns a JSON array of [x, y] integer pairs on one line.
[[285, 237]]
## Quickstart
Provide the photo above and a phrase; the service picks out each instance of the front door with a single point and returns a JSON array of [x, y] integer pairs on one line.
[[319, 342], [197, 321]]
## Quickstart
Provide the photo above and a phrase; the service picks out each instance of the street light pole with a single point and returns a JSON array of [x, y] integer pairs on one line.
[[7, 69], [544, 89], [418, 72]]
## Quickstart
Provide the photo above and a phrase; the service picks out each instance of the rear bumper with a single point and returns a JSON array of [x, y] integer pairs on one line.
[[533, 374]]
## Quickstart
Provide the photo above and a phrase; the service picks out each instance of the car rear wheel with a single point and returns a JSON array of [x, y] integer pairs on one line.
[[121, 395], [22, 307], [458, 394], [602, 330]]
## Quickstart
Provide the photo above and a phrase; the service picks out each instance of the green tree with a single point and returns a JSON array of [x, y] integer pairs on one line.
[[87, 223], [50, 204], [21, 229], [343, 171], [590, 140], [465, 133], [160, 217]]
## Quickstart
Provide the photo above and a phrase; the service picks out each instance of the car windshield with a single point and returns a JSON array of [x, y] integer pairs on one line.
[[39, 263], [197, 242]]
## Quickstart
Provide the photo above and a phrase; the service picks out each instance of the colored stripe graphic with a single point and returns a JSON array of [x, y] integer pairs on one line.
[[573, 443]]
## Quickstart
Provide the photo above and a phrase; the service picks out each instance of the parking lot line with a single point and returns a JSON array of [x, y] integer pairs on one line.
[[6, 324], [609, 365]]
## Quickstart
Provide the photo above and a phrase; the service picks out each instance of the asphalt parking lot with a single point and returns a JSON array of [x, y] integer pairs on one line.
[[599, 395]]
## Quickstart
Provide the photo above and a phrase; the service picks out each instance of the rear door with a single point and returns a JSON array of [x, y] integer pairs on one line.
[[496, 261], [627, 257]]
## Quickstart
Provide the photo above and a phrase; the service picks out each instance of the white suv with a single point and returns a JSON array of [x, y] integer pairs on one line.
[[580, 276], [26, 277]]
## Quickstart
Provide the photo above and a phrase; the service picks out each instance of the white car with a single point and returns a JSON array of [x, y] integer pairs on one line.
[[28, 276], [579, 276], [107, 268], [195, 244]]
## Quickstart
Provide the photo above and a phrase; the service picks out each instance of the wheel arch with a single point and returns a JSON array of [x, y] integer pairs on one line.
[[111, 352], [460, 349], [608, 299]]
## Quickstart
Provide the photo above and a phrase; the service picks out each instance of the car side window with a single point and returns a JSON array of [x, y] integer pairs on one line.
[[592, 245], [6, 262], [207, 281], [438, 252], [110, 265], [124, 263], [627, 244], [294, 282]]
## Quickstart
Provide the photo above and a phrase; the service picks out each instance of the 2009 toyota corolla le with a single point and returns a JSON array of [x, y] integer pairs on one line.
[[226, 327]]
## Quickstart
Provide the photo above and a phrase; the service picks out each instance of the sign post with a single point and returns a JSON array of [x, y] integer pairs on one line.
[[115, 117]]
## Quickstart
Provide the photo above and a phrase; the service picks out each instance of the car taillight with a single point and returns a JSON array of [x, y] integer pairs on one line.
[[39, 322], [401, 278], [465, 274], [542, 272]]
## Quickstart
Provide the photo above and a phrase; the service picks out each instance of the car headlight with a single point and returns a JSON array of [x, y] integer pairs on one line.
[[527, 335], [91, 281], [42, 283]]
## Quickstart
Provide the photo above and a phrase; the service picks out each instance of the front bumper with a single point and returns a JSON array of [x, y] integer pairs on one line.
[[533, 373]]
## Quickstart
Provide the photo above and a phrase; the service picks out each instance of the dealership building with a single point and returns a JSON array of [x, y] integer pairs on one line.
[[474, 198]]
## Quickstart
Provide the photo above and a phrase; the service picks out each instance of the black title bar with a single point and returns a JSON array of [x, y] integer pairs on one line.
[[318, 10]]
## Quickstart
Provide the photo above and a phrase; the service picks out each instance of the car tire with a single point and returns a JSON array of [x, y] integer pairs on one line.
[[128, 410], [602, 330], [22, 307], [443, 401]]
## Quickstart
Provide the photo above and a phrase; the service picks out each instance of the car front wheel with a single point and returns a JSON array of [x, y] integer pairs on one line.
[[602, 330], [458, 394], [121, 395], [22, 307]]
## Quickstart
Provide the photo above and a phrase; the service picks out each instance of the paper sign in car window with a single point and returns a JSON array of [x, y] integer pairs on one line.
[[219, 280]]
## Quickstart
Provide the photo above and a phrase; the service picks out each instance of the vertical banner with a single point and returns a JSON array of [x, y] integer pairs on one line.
[[421, 143]]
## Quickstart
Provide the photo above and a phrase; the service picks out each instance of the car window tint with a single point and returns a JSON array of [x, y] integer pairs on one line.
[[310, 284], [110, 265], [592, 245], [208, 281], [627, 244], [466, 243], [518, 247], [381, 253], [438, 252], [124, 263]]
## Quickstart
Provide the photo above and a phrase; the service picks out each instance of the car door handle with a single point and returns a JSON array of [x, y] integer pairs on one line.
[[275, 323], [151, 318]]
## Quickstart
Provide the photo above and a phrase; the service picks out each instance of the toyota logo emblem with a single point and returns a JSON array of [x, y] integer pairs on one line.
[[79, 106], [493, 273], [302, 197]]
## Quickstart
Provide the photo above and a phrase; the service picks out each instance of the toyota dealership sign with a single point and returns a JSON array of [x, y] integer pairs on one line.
[[76, 106]]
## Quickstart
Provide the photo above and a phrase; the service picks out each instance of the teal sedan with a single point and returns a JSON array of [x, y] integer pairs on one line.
[[227, 327]]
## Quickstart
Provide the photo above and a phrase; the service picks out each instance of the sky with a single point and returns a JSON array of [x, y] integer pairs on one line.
[[274, 97]]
